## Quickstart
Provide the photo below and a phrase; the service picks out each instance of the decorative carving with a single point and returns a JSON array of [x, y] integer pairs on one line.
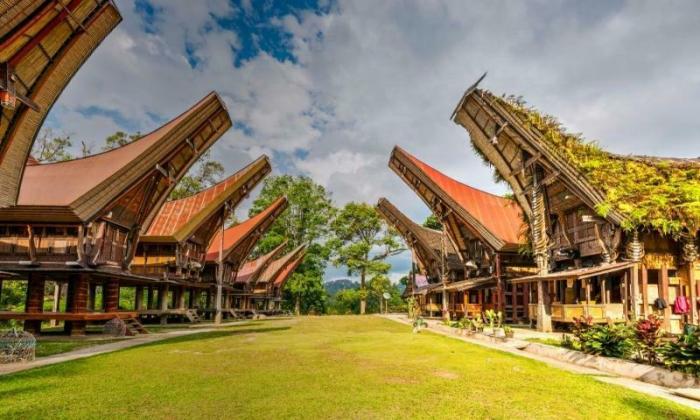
[[634, 250], [690, 250]]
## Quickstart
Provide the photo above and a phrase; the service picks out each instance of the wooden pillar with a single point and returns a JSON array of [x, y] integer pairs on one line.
[[588, 296], [181, 298], [645, 291], [34, 302], [138, 298], [163, 301], [625, 296], [149, 298], [634, 291], [544, 309], [76, 302], [663, 292], [692, 282], [111, 295]]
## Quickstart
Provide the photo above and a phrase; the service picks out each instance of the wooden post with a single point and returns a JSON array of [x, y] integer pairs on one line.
[[645, 290], [544, 309], [220, 271], [149, 298], [163, 300], [625, 296], [111, 295], [56, 301], [34, 302], [693, 293], [663, 286], [586, 311], [77, 301], [138, 298], [634, 271]]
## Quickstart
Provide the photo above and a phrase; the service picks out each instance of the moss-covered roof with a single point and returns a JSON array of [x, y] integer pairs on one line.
[[662, 194]]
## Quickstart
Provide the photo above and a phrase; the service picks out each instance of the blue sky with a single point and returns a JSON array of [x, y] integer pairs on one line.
[[326, 89]]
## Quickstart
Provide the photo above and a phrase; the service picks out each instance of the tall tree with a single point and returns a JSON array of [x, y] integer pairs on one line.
[[119, 139], [52, 147], [305, 222], [204, 174], [362, 242]]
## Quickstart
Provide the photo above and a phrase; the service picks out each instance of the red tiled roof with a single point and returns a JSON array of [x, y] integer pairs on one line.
[[234, 235], [61, 183], [175, 214], [284, 275], [251, 269], [500, 215]]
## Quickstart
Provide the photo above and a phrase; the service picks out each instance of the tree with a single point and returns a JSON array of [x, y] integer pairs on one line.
[[362, 242], [432, 222], [119, 139], [305, 222], [51, 147], [204, 174]]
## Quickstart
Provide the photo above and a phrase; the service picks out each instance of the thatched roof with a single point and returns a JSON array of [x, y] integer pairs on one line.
[[179, 220], [130, 182], [44, 43], [633, 191]]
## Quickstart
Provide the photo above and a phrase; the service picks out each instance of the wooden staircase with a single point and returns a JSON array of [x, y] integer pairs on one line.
[[192, 316], [134, 327]]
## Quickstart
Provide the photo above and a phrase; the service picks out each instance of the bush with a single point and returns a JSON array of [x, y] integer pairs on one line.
[[648, 336], [683, 355], [609, 341]]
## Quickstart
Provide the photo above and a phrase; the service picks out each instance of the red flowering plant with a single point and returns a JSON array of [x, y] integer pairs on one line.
[[648, 335]]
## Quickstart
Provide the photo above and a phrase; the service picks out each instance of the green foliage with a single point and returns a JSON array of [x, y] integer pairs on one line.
[[119, 139], [684, 354], [432, 222], [51, 147], [345, 302], [495, 319], [205, 173], [648, 336], [306, 222], [660, 194], [608, 340], [362, 242]]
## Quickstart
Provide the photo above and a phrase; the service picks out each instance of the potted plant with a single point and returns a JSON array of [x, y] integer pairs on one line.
[[419, 324], [508, 331], [495, 320]]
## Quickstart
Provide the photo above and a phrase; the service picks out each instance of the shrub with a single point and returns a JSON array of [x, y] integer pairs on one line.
[[684, 354], [610, 341], [581, 326], [648, 336]]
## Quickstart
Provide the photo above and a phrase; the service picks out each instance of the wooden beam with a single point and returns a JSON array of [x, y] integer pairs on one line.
[[663, 292], [692, 282], [645, 291], [521, 167]]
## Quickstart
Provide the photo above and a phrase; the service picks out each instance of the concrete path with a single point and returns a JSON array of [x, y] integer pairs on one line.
[[639, 386], [90, 351]]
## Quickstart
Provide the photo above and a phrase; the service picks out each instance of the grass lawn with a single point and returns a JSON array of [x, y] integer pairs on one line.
[[49, 347], [324, 367]]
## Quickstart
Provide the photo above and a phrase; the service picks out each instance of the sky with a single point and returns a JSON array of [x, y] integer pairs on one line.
[[327, 88]]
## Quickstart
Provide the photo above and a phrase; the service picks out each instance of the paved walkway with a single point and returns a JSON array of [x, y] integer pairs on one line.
[[639, 386], [108, 348]]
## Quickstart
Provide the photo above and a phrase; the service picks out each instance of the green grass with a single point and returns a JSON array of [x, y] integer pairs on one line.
[[548, 341], [48, 348], [325, 367]]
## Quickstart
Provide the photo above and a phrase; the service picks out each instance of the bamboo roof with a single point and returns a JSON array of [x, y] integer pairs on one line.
[[129, 183], [426, 243], [178, 220], [250, 272], [44, 43], [239, 240], [496, 220], [631, 191], [278, 266]]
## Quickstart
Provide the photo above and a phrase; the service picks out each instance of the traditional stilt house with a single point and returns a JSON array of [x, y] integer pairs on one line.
[[614, 237], [42, 45], [484, 229], [434, 258], [268, 291], [228, 251], [248, 277], [79, 221], [173, 249]]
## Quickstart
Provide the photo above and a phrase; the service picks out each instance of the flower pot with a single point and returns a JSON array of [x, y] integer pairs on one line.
[[510, 334], [499, 332]]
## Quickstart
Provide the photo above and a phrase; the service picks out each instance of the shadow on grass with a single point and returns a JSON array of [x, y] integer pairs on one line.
[[210, 335], [652, 409]]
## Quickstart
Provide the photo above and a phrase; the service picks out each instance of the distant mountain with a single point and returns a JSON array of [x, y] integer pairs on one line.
[[334, 286]]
